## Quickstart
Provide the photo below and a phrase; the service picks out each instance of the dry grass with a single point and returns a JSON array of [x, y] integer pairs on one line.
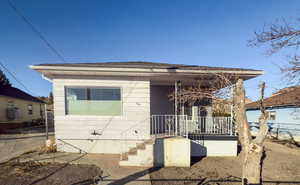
[[49, 147]]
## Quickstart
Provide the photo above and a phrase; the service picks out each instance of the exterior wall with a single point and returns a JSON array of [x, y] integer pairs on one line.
[[133, 124], [159, 101], [213, 148], [22, 105], [283, 115], [107, 146], [288, 118]]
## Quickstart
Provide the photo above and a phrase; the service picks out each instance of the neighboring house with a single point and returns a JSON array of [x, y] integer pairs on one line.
[[284, 108], [223, 107], [117, 107], [18, 108]]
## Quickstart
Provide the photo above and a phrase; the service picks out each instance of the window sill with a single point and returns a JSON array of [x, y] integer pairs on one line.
[[93, 117]]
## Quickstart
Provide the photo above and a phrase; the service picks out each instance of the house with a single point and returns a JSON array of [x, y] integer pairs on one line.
[[18, 108], [117, 107], [284, 108]]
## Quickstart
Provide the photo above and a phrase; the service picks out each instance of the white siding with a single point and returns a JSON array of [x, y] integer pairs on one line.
[[134, 123]]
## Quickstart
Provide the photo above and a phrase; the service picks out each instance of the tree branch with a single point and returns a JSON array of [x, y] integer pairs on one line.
[[263, 128]]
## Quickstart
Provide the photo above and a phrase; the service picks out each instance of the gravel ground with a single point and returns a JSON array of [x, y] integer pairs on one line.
[[29, 173]]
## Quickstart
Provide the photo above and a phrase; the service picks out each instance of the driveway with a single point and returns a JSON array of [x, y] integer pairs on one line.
[[15, 144]]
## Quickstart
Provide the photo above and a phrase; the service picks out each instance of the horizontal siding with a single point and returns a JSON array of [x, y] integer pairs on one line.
[[134, 123]]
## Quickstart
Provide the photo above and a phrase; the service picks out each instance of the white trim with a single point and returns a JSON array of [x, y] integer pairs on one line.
[[66, 68]]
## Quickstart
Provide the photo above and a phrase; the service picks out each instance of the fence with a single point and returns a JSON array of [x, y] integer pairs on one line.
[[279, 128]]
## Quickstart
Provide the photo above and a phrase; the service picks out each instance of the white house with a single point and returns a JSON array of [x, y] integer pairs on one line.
[[119, 107]]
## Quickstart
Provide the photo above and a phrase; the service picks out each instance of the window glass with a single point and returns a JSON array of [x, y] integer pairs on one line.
[[272, 115], [188, 110], [77, 93], [105, 94], [93, 101], [30, 109]]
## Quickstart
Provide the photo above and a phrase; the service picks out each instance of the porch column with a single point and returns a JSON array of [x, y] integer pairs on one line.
[[177, 101]]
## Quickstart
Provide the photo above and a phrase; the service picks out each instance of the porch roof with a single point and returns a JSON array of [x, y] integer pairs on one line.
[[152, 70]]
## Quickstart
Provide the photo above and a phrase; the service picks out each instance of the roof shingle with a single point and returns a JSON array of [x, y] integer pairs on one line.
[[17, 93], [288, 97]]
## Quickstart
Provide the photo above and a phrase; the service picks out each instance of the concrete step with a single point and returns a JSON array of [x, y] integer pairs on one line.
[[141, 155]]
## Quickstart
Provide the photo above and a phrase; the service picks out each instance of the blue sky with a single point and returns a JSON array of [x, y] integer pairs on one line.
[[200, 32]]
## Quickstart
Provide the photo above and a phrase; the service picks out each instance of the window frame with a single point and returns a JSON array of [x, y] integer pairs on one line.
[[30, 111], [89, 87], [272, 115]]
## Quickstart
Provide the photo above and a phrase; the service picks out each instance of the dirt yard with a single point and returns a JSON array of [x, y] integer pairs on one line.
[[36, 173], [281, 166]]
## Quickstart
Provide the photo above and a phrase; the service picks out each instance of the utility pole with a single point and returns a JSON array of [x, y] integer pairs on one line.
[[46, 123], [176, 107]]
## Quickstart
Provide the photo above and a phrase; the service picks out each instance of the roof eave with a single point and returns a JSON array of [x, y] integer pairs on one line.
[[143, 70]]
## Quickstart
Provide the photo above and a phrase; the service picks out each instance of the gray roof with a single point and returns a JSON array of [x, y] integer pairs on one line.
[[17, 93], [146, 65]]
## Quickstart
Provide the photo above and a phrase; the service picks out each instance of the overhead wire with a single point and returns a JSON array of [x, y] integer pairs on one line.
[[35, 30]]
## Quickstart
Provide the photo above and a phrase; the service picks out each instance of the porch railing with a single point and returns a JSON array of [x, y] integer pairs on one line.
[[183, 125], [175, 125]]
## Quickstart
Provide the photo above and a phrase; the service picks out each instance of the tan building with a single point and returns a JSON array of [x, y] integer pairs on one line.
[[17, 108]]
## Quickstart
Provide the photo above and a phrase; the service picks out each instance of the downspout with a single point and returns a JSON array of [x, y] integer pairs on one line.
[[48, 79]]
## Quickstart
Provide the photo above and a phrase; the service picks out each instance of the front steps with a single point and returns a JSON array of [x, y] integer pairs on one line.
[[140, 155]]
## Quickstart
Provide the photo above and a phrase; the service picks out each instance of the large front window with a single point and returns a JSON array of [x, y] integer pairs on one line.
[[101, 101]]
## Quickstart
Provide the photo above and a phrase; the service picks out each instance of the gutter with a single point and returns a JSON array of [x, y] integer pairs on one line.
[[63, 68]]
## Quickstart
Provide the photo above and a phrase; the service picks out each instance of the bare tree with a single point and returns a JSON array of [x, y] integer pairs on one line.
[[214, 88], [218, 89], [4, 80], [252, 149], [278, 36]]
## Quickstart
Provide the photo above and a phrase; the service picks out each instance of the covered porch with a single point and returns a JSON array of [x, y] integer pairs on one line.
[[172, 117], [209, 134]]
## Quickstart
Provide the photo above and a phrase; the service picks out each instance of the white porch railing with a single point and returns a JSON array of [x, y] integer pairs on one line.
[[175, 125], [182, 125]]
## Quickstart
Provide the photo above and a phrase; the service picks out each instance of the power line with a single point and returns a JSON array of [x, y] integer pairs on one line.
[[14, 76], [36, 31]]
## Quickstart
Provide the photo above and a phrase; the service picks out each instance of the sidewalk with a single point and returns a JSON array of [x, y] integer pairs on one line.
[[13, 145]]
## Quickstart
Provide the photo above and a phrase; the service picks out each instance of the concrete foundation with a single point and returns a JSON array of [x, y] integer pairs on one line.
[[177, 152], [201, 148], [96, 146]]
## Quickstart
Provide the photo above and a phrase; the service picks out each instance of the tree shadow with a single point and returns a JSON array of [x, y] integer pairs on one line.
[[134, 176], [56, 170], [200, 181]]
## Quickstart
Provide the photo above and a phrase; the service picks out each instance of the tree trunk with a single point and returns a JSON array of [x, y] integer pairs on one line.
[[252, 164], [252, 150]]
